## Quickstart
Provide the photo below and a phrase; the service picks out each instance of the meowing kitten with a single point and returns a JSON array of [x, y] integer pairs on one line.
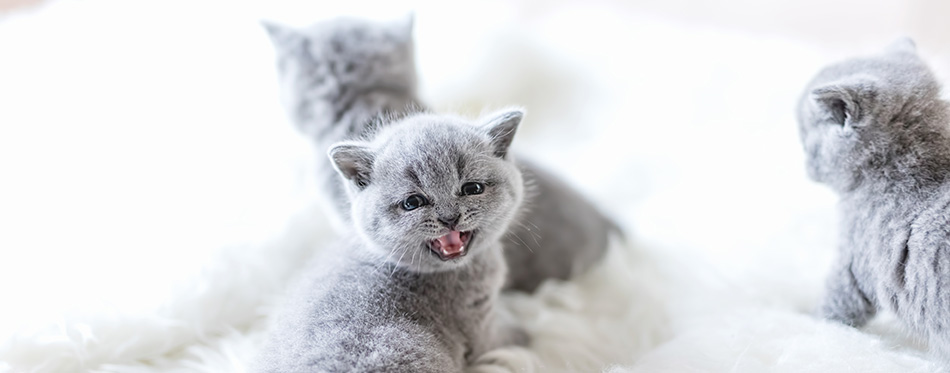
[[413, 286], [338, 76], [876, 131]]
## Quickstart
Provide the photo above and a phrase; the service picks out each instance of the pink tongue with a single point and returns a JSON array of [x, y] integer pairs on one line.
[[451, 243]]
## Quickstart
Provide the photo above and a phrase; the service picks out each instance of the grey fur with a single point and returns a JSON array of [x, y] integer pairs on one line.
[[558, 235], [381, 301], [336, 79], [876, 131]]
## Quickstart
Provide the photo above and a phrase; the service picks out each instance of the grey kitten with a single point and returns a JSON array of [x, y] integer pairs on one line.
[[876, 131], [413, 286], [342, 78]]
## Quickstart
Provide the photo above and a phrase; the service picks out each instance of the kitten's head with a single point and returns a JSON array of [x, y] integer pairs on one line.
[[326, 60], [858, 115], [431, 191]]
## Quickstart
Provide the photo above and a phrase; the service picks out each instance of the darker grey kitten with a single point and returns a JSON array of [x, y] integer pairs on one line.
[[342, 78], [413, 286], [876, 131]]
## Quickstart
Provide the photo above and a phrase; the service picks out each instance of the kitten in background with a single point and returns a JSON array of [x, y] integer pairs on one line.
[[412, 286], [343, 78], [336, 79], [876, 131]]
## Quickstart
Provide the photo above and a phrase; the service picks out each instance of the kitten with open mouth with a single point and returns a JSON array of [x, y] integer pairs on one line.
[[413, 286], [342, 79]]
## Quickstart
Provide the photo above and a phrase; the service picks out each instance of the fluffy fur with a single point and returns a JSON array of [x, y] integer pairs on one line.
[[383, 300], [876, 131], [339, 77], [718, 193], [336, 78]]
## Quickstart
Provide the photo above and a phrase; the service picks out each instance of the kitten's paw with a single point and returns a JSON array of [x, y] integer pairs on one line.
[[516, 336], [853, 316], [505, 360]]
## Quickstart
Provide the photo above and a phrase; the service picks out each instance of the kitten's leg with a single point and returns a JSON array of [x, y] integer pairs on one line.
[[498, 332], [844, 301], [511, 335], [505, 331], [485, 355]]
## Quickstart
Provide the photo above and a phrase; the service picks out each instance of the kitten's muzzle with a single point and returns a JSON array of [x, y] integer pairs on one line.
[[450, 221], [452, 245]]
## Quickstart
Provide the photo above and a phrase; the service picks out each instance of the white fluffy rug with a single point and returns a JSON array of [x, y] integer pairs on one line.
[[155, 201]]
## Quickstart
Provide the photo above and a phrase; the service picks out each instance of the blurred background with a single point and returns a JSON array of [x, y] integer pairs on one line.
[[139, 138]]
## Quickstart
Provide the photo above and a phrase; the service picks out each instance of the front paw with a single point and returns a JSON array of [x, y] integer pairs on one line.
[[844, 313], [516, 336]]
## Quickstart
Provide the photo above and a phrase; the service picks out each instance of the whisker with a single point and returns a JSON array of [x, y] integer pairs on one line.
[[397, 261], [525, 244], [534, 236], [534, 232], [386, 260], [412, 260]]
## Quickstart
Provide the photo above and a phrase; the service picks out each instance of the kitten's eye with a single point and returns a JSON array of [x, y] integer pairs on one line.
[[472, 188], [413, 202]]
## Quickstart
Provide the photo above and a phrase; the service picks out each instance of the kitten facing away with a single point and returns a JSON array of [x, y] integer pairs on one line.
[[341, 79], [413, 285], [876, 131]]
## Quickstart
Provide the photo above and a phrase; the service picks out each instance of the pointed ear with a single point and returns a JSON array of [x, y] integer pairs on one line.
[[403, 26], [836, 103], [501, 127], [282, 36], [902, 45], [354, 161], [844, 101]]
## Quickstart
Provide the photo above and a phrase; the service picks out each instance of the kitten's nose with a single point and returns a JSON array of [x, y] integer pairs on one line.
[[450, 220]]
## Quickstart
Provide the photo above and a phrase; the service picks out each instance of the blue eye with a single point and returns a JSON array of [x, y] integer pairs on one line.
[[413, 202], [472, 188]]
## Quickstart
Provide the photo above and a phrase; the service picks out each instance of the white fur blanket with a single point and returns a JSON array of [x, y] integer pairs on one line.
[[155, 202]]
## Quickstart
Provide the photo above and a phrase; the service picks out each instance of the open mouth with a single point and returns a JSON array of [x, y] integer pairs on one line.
[[452, 245]]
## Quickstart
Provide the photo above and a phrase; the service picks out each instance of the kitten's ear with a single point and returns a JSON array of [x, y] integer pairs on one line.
[[354, 161], [501, 127], [902, 45], [841, 101], [403, 26], [282, 36]]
